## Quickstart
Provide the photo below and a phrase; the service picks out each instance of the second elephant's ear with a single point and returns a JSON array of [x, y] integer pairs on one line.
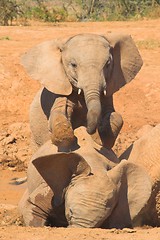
[[43, 63], [58, 169], [127, 61], [134, 193]]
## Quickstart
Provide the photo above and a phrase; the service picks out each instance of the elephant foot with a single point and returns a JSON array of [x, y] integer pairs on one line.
[[108, 130], [62, 134]]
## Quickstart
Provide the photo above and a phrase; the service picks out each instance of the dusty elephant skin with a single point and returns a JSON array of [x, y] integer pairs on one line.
[[145, 152], [80, 76], [84, 188]]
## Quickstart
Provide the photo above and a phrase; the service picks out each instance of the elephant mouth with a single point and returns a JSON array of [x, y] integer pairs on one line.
[[74, 82]]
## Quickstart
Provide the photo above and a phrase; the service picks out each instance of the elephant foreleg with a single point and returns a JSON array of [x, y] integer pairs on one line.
[[109, 125], [60, 127], [109, 128]]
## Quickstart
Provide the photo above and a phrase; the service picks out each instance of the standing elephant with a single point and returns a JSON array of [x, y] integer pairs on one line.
[[84, 188], [145, 152], [79, 76]]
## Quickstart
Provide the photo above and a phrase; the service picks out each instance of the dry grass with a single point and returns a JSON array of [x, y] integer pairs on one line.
[[148, 44]]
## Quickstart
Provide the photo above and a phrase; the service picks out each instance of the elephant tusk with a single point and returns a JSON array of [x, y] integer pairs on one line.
[[79, 91], [105, 93]]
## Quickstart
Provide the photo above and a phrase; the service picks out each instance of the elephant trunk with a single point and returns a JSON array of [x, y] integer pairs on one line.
[[92, 98]]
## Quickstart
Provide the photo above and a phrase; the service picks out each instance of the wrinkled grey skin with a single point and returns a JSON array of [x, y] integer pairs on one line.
[[85, 188], [95, 65], [145, 152]]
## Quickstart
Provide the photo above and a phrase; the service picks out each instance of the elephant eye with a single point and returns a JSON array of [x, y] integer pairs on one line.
[[74, 65]]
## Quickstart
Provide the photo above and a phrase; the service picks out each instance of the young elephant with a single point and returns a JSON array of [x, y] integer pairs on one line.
[[80, 75], [145, 152], [85, 188]]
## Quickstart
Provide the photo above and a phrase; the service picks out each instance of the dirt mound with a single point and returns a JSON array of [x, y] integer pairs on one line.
[[15, 147]]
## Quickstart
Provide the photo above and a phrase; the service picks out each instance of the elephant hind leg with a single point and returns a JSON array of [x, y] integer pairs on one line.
[[34, 207]]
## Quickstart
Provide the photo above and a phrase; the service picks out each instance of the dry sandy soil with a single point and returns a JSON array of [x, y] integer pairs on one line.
[[138, 102]]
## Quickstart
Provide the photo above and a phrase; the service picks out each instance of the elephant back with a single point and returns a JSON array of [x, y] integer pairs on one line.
[[146, 152]]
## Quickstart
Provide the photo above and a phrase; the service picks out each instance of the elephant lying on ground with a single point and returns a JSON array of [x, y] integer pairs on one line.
[[80, 75], [88, 187], [145, 152]]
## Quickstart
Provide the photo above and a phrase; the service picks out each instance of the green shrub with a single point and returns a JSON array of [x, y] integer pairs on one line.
[[77, 10], [9, 11], [118, 9]]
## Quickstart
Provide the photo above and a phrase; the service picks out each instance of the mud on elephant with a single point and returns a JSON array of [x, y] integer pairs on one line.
[[80, 75], [84, 188]]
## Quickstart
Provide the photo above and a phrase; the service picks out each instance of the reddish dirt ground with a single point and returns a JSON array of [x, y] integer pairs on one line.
[[138, 102]]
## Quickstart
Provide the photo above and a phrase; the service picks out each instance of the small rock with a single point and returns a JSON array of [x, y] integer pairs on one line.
[[128, 230], [18, 181], [8, 140]]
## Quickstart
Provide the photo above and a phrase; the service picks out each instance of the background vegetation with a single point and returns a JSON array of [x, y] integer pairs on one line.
[[76, 10]]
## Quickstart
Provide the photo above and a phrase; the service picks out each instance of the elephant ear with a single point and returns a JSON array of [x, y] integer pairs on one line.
[[134, 193], [58, 169], [127, 61], [43, 63]]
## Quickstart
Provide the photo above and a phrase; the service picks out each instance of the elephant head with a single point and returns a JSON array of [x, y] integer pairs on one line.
[[96, 65], [89, 186]]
